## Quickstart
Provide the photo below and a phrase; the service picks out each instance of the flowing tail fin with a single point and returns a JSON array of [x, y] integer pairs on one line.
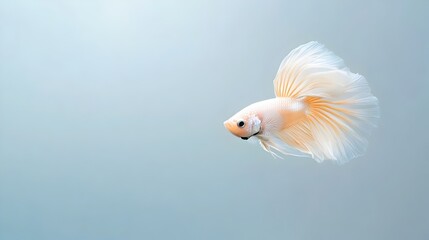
[[341, 109]]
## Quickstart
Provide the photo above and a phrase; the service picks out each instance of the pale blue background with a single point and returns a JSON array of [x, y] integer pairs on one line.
[[111, 121]]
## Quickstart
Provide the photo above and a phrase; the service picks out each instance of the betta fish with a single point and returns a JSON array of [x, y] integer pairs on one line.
[[320, 110]]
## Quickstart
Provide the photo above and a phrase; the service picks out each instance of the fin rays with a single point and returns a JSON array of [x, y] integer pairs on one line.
[[341, 109]]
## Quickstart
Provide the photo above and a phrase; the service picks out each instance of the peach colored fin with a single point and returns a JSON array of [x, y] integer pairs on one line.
[[341, 111], [278, 147]]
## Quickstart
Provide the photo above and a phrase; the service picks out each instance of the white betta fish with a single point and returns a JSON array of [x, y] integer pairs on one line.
[[321, 109]]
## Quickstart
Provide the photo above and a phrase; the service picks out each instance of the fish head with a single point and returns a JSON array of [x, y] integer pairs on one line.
[[244, 124]]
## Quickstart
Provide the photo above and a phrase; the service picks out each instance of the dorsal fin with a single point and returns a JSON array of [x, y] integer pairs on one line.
[[310, 70]]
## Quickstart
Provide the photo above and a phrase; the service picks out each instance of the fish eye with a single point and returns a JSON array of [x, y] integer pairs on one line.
[[240, 124]]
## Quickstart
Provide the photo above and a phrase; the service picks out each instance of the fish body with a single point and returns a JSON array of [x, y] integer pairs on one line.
[[321, 109], [266, 116]]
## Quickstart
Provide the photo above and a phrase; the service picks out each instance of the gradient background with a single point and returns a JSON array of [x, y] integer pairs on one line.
[[111, 121]]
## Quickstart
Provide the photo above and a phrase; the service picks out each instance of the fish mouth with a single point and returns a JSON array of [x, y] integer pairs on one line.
[[246, 138]]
